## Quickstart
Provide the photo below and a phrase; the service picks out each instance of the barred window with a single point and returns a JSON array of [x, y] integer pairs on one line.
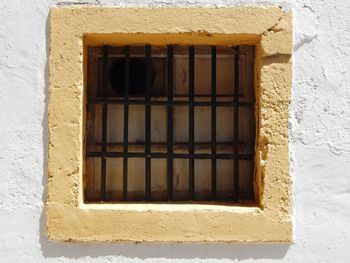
[[170, 123]]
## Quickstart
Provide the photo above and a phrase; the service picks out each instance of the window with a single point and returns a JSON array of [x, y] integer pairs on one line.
[[75, 116], [182, 127]]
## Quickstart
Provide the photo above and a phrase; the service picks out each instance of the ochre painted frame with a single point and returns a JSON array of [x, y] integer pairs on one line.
[[74, 27]]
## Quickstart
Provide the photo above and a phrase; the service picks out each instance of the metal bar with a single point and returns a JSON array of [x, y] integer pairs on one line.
[[191, 121], [213, 120], [235, 125], [173, 103], [179, 201], [181, 144], [126, 122], [104, 123], [163, 155], [148, 124], [170, 135]]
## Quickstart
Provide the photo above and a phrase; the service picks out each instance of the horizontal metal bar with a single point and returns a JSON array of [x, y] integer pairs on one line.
[[181, 143], [246, 202], [161, 155], [169, 103]]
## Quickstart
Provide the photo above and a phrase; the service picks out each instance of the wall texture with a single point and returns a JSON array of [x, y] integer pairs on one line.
[[319, 142]]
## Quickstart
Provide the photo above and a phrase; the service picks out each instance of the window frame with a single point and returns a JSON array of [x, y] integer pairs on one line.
[[74, 27]]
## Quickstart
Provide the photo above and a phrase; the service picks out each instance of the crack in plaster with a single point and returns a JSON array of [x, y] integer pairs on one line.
[[96, 2], [273, 28]]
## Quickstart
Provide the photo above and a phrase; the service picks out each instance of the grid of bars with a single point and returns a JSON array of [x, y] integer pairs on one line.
[[170, 155]]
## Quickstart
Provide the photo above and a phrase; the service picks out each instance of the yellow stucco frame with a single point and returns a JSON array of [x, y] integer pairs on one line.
[[69, 219]]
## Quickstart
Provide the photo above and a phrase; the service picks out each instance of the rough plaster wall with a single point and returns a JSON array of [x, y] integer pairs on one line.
[[319, 142]]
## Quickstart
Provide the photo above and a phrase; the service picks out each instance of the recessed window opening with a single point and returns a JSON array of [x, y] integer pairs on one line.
[[170, 123]]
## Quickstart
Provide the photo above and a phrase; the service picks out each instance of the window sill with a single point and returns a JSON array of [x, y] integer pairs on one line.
[[173, 207]]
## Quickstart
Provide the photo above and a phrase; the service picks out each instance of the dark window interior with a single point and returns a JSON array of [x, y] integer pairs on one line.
[[170, 123]]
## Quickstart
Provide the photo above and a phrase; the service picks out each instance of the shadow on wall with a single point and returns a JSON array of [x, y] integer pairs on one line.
[[52, 249]]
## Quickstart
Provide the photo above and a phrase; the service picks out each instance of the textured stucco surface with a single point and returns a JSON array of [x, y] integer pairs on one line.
[[319, 143]]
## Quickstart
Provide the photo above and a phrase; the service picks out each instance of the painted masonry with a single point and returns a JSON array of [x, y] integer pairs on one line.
[[271, 222], [316, 139]]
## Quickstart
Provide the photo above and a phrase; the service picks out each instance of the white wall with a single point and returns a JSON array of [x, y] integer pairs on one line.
[[319, 142]]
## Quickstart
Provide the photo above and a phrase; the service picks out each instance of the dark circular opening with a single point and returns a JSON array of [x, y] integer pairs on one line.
[[137, 76]]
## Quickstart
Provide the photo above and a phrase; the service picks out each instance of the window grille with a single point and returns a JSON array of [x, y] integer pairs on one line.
[[170, 123]]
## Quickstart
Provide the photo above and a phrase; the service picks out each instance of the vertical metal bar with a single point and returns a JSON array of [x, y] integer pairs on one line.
[[104, 122], [213, 121], [148, 124], [236, 122], [170, 94], [191, 121], [126, 121]]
